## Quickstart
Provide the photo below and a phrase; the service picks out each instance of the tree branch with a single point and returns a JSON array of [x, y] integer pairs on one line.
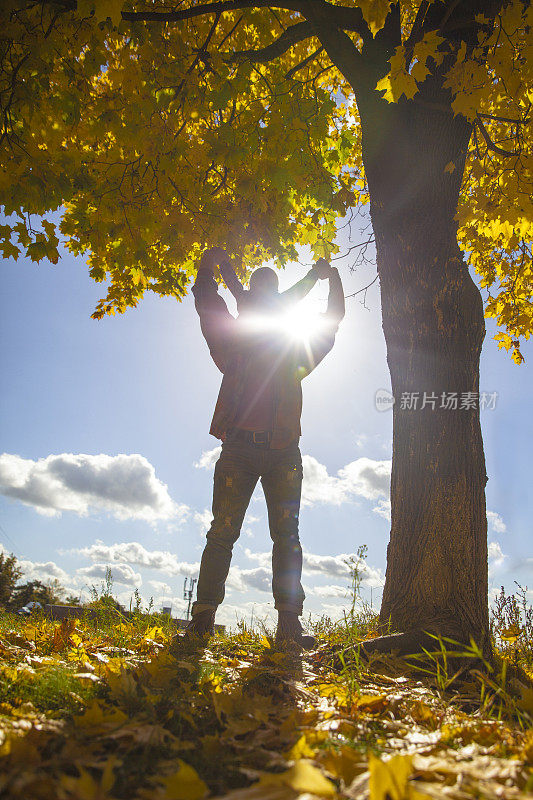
[[490, 144], [503, 119], [417, 31], [348, 19], [364, 289], [329, 29], [208, 8], [345, 17], [458, 15], [303, 63], [289, 37]]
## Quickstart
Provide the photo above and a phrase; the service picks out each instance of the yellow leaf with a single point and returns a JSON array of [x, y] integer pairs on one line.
[[450, 167], [161, 671], [388, 779], [122, 685], [372, 702], [303, 776], [300, 750], [101, 717], [510, 634], [345, 764], [184, 784], [375, 13], [108, 779], [85, 787]]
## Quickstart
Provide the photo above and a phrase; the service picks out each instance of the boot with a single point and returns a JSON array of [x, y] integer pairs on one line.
[[202, 624], [290, 631]]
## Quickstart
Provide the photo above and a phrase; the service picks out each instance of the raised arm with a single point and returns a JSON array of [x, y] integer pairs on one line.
[[336, 309], [230, 278], [300, 289], [217, 324], [318, 271], [311, 352]]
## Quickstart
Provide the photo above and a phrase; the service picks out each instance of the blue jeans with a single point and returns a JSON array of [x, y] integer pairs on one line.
[[236, 474]]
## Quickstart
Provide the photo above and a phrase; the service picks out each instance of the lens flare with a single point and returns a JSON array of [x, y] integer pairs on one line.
[[299, 324]]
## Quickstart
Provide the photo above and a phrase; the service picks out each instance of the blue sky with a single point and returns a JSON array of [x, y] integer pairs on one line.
[[142, 386]]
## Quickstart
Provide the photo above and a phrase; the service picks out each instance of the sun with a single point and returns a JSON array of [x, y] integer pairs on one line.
[[300, 324]]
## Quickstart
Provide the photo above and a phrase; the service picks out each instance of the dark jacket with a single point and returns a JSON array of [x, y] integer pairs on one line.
[[234, 349]]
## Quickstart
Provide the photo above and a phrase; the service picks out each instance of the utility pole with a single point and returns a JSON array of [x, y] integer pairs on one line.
[[188, 592]]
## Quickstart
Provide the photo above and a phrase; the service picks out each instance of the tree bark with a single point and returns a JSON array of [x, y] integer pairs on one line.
[[414, 154], [433, 323]]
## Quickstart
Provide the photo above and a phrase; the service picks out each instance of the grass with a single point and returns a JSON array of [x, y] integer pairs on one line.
[[237, 710], [53, 689]]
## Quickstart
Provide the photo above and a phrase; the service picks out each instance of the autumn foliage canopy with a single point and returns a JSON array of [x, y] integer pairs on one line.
[[157, 129]]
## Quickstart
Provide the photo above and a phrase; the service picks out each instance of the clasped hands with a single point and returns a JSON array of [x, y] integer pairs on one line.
[[323, 269], [217, 257], [214, 257]]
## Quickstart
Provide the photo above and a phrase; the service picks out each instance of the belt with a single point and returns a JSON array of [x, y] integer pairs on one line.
[[256, 438]]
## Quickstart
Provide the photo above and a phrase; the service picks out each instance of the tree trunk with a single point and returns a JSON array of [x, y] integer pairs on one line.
[[414, 154], [437, 576]]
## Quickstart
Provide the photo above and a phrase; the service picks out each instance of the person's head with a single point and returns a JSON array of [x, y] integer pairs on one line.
[[263, 286]]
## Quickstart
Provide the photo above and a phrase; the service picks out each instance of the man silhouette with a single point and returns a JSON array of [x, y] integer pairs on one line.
[[257, 417]]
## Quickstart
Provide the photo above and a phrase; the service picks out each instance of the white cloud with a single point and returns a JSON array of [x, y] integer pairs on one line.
[[42, 571], [367, 478], [135, 553], [203, 520], [208, 458], [373, 577], [496, 557], [328, 591], [364, 477], [333, 566], [230, 614], [496, 522], [121, 573], [124, 486], [259, 578], [330, 566], [318, 486], [265, 559], [495, 552], [160, 588], [383, 508], [334, 612]]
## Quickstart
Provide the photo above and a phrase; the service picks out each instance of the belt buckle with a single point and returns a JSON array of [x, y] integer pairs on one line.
[[260, 438]]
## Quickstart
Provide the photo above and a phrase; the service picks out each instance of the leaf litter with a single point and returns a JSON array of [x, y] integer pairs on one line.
[[156, 718]]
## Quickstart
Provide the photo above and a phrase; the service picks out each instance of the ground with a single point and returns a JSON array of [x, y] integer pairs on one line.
[[110, 708]]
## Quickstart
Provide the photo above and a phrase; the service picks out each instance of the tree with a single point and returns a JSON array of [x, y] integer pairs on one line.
[[9, 575], [36, 591], [253, 126], [73, 600]]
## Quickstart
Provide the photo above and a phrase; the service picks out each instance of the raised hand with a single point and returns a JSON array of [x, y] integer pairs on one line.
[[323, 269], [212, 257]]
